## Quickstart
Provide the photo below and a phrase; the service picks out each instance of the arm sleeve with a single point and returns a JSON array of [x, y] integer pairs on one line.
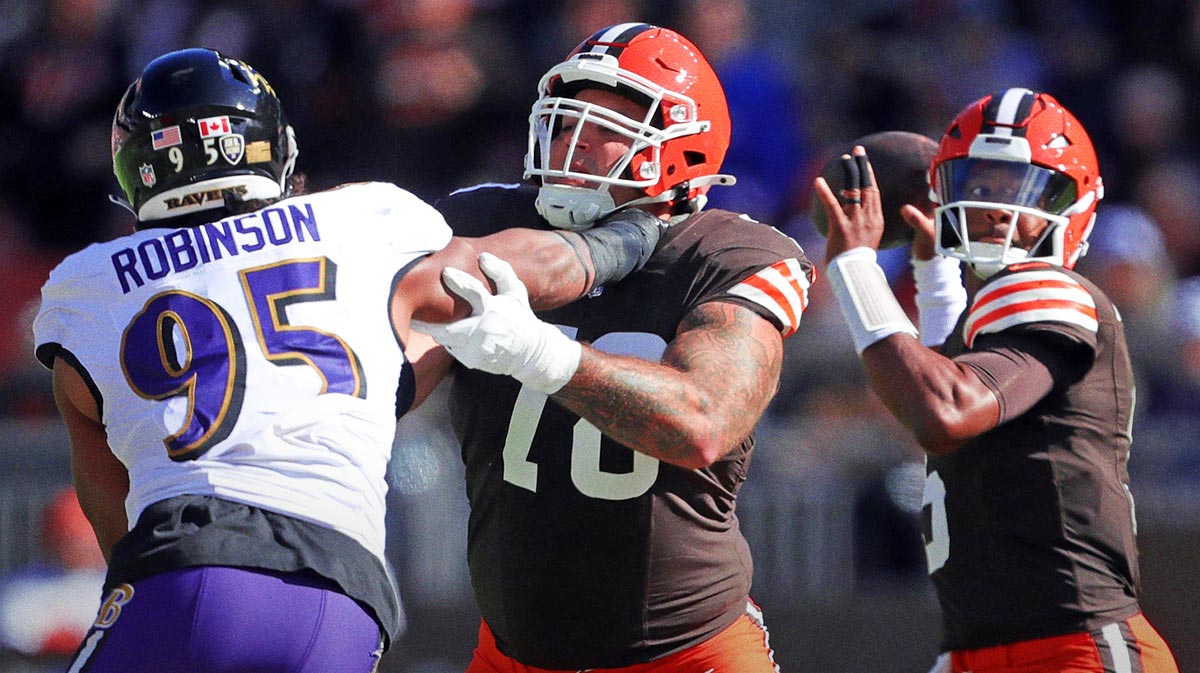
[[1022, 369], [941, 297]]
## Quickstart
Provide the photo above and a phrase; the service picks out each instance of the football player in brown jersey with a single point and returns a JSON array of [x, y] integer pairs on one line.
[[603, 531], [1023, 400]]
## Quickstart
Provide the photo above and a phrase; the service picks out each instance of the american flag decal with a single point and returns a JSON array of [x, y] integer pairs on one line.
[[1029, 297], [781, 288], [166, 137]]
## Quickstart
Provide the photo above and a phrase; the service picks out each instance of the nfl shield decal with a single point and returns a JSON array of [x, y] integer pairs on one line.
[[233, 146], [148, 177]]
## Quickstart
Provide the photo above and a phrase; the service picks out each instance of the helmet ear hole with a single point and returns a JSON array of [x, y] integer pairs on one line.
[[693, 158]]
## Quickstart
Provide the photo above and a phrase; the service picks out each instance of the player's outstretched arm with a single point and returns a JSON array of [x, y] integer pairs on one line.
[[691, 408], [943, 402], [101, 480], [701, 400], [556, 267]]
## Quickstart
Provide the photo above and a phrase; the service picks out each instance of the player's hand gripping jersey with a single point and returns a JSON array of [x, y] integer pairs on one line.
[[584, 553], [238, 372], [1035, 516]]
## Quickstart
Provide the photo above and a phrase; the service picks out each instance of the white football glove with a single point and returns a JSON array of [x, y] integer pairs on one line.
[[502, 335]]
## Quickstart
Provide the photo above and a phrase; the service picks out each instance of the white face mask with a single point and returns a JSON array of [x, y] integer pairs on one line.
[[1012, 187], [580, 205], [987, 259], [577, 206]]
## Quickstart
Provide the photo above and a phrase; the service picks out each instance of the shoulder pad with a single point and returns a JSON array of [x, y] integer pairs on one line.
[[1031, 296], [490, 207], [506, 186]]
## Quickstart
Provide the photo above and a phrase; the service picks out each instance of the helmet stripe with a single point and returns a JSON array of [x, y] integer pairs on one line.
[[1009, 109], [612, 40]]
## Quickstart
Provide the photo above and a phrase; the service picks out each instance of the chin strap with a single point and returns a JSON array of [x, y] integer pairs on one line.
[[123, 203], [715, 179], [679, 193], [573, 208]]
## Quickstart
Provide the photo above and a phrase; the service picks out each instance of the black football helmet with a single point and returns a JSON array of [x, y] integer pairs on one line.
[[197, 127]]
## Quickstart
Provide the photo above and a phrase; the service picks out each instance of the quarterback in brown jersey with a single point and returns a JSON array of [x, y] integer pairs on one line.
[[603, 531], [1025, 407]]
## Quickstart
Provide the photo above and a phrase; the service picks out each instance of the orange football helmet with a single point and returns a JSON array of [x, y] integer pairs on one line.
[[677, 148], [1023, 152]]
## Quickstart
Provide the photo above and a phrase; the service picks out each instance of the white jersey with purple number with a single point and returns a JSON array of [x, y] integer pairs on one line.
[[253, 358]]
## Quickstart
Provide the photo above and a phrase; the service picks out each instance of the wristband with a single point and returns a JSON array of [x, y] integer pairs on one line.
[[941, 297], [551, 361], [867, 303]]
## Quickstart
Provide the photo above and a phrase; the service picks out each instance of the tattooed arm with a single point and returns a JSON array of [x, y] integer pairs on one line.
[[705, 396]]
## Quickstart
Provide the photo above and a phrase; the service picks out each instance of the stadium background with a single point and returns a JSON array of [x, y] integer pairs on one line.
[[433, 95]]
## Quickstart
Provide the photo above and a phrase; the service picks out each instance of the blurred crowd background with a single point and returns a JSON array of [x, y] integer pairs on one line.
[[434, 95]]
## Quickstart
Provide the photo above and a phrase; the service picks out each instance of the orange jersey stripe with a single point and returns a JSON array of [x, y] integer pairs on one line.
[[779, 289], [1023, 286], [1032, 305]]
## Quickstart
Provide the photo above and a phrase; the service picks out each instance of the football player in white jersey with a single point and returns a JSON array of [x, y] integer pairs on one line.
[[227, 374]]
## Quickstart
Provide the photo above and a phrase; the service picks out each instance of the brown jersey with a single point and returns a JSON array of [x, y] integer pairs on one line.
[[1029, 527], [583, 553]]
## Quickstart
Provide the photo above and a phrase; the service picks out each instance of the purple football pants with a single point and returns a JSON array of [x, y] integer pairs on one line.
[[216, 619]]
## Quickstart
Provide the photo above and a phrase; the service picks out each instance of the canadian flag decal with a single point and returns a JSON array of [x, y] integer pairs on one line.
[[214, 126]]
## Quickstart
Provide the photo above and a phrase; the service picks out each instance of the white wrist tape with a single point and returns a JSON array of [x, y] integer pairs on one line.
[[868, 305], [550, 361], [941, 297]]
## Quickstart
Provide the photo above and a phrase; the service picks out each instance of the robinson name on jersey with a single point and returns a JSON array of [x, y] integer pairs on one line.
[[183, 249]]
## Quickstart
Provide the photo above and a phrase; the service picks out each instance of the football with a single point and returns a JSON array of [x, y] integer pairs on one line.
[[901, 161]]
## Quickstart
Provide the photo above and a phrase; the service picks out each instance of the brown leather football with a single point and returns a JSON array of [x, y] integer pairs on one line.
[[901, 161]]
